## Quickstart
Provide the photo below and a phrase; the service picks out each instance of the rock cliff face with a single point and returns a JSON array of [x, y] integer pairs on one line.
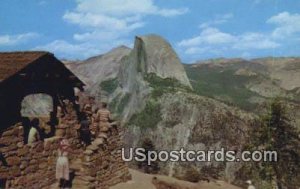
[[132, 88], [152, 95], [151, 54], [192, 122], [154, 99], [99, 68], [196, 108], [156, 55]]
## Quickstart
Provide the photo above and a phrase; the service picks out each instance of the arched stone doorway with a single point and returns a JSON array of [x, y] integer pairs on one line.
[[42, 107], [37, 105]]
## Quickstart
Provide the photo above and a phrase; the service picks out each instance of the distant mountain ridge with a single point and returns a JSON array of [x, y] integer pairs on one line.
[[250, 81], [284, 69], [99, 68], [200, 106]]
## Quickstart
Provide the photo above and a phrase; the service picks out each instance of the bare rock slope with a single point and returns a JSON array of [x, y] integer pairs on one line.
[[99, 68], [157, 56]]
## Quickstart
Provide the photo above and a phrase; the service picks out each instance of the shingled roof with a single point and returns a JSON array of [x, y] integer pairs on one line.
[[13, 62]]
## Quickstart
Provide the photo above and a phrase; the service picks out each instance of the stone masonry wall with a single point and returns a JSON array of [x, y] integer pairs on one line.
[[33, 167], [105, 152]]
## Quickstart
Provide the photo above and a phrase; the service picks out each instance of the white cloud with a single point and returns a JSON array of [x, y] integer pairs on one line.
[[115, 15], [203, 50], [7, 40], [103, 22], [65, 49], [214, 41], [254, 41], [287, 24], [196, 50], [171, 12], [116, 7], [219, 19], [96, 35], [208, 36], [121, 8], [106, 24]]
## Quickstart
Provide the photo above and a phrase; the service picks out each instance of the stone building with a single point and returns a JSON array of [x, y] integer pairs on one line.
[[26, 73], [98, 165]]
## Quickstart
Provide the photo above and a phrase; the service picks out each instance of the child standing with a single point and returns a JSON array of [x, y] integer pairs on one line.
[[62, 164]]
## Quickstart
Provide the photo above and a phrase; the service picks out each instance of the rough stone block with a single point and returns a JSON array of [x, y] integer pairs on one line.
[[14, 160], [23, 151]]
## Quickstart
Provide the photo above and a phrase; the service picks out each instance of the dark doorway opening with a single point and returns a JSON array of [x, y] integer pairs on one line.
[[2, 183]]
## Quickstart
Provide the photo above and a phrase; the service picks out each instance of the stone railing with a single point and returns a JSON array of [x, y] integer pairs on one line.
[[27, 166], [102, 162]]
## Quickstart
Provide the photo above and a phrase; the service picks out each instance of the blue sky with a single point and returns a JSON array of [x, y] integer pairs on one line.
[[197, 29]]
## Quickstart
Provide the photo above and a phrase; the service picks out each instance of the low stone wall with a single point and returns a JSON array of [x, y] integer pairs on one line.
[[96, 166], [28, 166], [102, 164]]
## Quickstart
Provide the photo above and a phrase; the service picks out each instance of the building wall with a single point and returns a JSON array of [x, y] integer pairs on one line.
[[96, 166]]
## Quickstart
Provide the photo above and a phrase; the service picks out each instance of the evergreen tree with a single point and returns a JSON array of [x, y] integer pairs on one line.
[[276, 133], [153, 168]]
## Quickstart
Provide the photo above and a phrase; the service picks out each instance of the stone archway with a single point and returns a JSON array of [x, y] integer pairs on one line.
[[40, 106], [37, 105]]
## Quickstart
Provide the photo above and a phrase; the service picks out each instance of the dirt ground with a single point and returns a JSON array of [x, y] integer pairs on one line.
[[144, 181]]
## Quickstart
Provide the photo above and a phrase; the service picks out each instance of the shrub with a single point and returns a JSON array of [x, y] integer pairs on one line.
[[163, 85], [148, 145], [123, 102], [149, 117], [192, 175], [109, 85]]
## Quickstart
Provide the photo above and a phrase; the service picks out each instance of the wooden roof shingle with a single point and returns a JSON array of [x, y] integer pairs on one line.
[[13, 62]]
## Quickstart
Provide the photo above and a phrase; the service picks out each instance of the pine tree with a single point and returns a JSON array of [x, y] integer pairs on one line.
[[276, 133], [153, 168]]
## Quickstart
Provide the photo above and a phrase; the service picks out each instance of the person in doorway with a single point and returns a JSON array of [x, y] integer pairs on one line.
[[62, 164], [104, 118], [94, 123], [92, 102], [26, 126], [85, 134], [34, 135], [250, 185], [60, 115], [77, 106], [53, 121], [88, 107], [2, 158]]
